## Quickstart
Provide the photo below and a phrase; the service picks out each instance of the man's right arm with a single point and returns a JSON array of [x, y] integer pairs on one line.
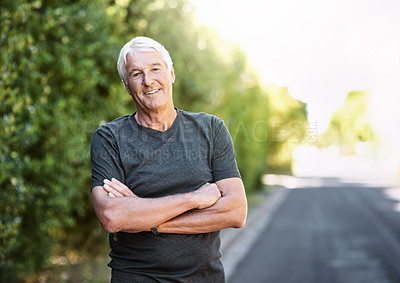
[[133, 214]]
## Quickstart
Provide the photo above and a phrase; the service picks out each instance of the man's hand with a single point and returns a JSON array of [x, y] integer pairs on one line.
[[229, 211], [115, 188], [119, 209], [207, 195]]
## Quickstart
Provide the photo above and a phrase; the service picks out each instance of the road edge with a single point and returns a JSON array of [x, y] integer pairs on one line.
[[236, 243]]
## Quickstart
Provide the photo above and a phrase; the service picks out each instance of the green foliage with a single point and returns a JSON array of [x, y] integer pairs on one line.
[[59, 83], [245, 109], [56, 62], [349, 124], [288, 128]]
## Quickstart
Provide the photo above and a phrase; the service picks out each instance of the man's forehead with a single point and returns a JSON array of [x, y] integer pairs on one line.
[[142, 59]]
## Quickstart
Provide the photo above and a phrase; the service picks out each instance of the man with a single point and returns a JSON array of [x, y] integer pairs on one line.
[[165, 181]]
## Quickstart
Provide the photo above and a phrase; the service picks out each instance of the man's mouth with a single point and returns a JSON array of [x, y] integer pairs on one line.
[[152, 92]]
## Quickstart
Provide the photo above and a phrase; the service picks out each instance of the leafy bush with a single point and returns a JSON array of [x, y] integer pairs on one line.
[[55, 63]]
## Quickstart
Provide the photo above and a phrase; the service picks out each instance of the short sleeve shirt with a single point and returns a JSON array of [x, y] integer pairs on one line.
[[196, 149]]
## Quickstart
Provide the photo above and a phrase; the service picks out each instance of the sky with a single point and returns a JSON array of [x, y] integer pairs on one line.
[[319, 49]]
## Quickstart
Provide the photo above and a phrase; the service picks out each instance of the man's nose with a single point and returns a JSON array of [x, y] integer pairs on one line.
[[147, 79]]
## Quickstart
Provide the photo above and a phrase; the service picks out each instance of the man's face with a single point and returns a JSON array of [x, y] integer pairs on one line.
[[148, 80]]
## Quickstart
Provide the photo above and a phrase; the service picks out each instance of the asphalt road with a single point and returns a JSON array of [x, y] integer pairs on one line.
[[332, 233]]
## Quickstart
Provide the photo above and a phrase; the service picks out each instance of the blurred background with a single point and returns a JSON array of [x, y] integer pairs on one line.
[[306, 88]]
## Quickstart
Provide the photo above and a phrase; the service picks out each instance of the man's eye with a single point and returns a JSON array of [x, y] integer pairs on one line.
[[156, 69], [135, 75]]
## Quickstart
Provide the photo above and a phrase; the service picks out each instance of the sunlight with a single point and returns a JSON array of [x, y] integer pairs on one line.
[[322, 50]]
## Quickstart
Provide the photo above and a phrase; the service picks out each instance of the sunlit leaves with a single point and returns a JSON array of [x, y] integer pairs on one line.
[[350, 124]]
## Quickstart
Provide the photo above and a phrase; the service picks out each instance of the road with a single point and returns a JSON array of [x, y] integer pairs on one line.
[[332, 232]]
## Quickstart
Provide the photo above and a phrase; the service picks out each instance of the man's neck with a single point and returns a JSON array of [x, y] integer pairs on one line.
[[160, 121]]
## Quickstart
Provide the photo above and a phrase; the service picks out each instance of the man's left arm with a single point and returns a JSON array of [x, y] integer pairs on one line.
[[229, 211]]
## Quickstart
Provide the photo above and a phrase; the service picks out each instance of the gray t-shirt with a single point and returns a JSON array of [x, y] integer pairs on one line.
[[196, 149]]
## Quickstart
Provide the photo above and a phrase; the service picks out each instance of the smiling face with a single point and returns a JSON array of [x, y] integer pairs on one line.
[[149, 81]]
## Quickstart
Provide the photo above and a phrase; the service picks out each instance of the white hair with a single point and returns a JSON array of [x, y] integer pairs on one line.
[[141, 43]]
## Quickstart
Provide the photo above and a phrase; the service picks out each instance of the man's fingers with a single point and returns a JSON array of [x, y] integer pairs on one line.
[[119, 187], [115, 185], [119, 183], [123, 188], [111, 190]]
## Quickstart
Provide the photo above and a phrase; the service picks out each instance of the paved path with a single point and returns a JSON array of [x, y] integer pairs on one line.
[[326, 232]]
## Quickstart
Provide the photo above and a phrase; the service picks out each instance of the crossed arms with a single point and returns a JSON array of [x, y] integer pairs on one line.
[[212, 207]]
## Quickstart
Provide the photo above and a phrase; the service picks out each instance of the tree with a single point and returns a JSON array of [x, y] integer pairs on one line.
[[350, 124], [287, 128], [55, 63]]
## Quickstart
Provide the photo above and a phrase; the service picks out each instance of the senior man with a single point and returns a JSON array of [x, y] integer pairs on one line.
[[165, 181]]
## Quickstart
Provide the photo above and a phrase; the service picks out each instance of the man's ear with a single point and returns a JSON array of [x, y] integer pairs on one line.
[[172, 75]]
